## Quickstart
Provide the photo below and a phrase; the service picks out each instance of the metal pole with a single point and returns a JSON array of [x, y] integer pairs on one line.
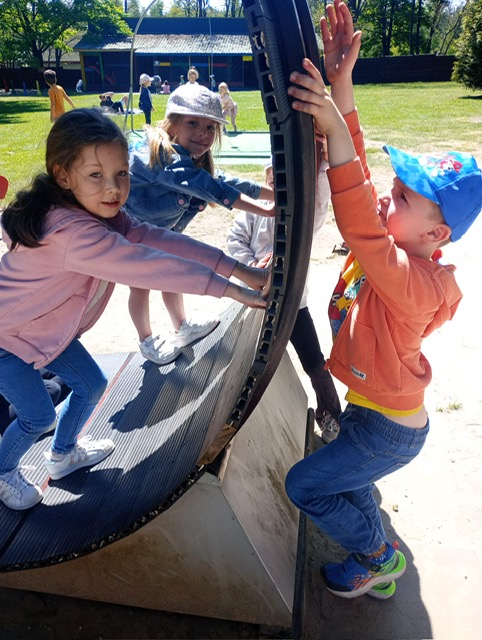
[[130, 104]]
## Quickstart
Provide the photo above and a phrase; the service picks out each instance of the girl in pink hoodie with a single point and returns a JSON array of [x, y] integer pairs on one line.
[[69, 241]]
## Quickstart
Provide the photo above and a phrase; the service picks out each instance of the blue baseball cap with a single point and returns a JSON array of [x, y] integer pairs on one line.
[[452, 180]]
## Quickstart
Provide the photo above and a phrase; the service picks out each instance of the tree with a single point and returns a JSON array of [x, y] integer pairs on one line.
[[184, 8], [157, 10], [468, 66], [232, 9], [134, 9], [29, 28]]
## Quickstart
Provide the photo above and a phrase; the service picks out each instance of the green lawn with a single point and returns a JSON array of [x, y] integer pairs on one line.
[[411, 116]]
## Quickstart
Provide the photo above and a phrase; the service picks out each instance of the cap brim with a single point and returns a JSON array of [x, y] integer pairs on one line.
[[409, 171], [186, 112]]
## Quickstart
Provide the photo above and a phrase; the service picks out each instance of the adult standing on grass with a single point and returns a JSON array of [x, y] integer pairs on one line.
[[69, 241], [57, 96]]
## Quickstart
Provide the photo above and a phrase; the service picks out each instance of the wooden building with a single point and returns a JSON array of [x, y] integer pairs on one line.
[[167, 47]]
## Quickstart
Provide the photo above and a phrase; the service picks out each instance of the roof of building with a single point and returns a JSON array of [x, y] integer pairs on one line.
[[173, 44], [193, 26]]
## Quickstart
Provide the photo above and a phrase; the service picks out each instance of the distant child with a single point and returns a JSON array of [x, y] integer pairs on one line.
[[230, 108], [70, 230], [115, 106], [392, 293], [193, 75], [57, 96], [212, 81], [250, 240], [145, 97], [181, 80], [166, 87], [172, 180]]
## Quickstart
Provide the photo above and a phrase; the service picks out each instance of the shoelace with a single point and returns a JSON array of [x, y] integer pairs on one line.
[[17, 481]]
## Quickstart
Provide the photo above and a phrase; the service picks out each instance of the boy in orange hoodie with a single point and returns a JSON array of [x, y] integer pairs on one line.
[[392, 293]]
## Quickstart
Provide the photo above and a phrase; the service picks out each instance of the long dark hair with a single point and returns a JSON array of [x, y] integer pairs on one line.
[[24, 218]]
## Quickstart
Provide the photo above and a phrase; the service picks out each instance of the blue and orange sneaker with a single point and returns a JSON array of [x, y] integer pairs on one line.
[[360, 574]]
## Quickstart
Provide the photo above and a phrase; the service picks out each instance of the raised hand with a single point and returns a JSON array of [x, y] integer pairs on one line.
[[340, 41]]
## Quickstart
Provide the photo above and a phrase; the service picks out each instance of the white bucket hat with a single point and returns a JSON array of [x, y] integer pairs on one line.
[[195, 100]]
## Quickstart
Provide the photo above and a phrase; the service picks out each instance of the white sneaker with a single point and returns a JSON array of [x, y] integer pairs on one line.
[[159, 351], [191, 331], [329, 428], [86, 453], [16, 492]]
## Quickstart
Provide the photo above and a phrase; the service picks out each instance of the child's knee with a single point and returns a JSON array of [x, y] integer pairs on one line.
[[99, 385], [36, 424], [293, 486]]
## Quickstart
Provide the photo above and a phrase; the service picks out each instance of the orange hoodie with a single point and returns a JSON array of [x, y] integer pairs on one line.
[[377, 351]]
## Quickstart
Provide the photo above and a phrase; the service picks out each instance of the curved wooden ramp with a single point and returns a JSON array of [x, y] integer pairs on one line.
[[163, 420]]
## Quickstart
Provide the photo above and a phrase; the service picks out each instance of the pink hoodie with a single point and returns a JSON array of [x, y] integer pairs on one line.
[[54, 293]]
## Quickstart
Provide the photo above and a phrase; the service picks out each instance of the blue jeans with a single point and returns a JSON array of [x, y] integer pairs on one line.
[[334, 486], [22, 386]]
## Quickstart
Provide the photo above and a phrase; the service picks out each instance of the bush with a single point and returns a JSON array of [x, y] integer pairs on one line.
[[468, 66]]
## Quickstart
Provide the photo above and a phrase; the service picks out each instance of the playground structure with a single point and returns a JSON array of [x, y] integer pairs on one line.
[[176, 429]]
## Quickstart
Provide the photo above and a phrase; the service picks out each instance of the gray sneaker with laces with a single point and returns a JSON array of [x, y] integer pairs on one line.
[[86, 453], [329, 428], [16, 492]]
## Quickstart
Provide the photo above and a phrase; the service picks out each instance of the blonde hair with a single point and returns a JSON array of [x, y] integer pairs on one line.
[[193, 72], [223, 85], [162, 137]]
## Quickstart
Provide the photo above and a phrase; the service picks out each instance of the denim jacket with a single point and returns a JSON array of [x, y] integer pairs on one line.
[[170, 196]]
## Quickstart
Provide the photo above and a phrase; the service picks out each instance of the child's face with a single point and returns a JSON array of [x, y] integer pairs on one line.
[[195, 134], [270, 177], [406, 214], [99, 179]]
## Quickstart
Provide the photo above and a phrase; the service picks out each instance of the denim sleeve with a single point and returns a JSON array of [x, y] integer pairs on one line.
[[248, 187], [180, 176]]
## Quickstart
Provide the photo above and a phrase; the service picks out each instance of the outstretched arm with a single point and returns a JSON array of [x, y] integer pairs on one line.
[[341, 45], [245, 203]]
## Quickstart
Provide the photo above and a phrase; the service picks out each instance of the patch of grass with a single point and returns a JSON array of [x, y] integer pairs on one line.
[[421, 116], [450, 407]]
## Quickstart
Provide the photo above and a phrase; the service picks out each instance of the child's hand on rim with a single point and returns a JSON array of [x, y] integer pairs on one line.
[[310, 96]]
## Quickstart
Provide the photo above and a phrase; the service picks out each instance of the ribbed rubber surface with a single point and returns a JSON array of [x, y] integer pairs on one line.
[[281, 34], [158, 417]]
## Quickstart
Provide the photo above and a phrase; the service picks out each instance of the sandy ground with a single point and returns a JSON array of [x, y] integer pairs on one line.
[[433, 507]]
